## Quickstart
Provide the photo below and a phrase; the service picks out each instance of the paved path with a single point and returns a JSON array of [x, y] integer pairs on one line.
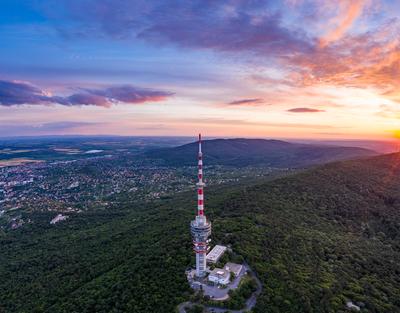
[[181, 307], [250, 303]]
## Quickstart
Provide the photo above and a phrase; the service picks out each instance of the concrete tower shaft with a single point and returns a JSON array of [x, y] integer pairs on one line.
[[200, 227]]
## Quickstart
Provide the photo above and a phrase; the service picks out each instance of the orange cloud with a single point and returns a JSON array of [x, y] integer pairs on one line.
[[349, 11], [370, 60]]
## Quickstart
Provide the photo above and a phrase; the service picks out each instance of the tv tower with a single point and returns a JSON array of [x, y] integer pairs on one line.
[[200, 227]]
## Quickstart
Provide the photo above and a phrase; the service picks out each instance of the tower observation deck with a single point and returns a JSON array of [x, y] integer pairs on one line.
[[200, 227]]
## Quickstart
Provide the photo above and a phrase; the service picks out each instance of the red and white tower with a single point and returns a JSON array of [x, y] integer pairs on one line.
[[200, 227]]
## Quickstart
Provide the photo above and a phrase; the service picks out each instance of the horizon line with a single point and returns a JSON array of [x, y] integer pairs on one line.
[[209, 136]]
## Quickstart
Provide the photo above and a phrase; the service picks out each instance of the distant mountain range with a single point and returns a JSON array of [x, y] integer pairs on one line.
[[244, 152]]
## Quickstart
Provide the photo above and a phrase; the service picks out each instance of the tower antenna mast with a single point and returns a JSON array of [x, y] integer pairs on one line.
[[200, 227]]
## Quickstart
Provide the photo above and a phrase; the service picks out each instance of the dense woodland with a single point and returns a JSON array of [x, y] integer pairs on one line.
[[316, 240]]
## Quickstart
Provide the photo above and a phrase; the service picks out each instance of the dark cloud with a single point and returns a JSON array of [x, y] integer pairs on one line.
[[254, 101], [243, 32], [252, 26], [88, 99], [13, 93], [17, 93], [129, 94], [305, 110]]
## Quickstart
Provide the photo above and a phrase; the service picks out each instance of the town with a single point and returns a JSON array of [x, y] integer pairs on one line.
[[97, 183]]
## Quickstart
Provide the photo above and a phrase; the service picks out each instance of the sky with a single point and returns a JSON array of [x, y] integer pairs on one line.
[[273, 69]]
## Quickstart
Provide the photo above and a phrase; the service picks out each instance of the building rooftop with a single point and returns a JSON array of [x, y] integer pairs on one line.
[[216, 252], [220, 273], [233, 267]]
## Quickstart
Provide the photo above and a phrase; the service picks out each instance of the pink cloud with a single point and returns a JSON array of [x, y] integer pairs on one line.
[[349, 11], [305, 110]]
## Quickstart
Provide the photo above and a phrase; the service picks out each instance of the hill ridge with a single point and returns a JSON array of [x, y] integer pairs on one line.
[[247, 152]]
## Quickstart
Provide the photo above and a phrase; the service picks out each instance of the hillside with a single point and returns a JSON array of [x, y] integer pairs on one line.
[[316, 239], [243, 152]]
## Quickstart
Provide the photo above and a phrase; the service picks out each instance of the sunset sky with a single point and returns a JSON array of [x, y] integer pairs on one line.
[[282, 69]]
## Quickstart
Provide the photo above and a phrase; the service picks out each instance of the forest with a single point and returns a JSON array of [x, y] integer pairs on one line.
[[317, 240]]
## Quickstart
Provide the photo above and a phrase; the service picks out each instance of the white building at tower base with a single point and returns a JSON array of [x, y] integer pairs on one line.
[[216, 253], [219, 276]]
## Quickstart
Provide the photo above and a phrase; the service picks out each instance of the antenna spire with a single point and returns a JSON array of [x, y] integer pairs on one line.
[[200, 184], [199, 143]]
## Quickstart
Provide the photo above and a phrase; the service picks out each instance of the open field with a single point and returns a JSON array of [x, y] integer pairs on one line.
[[17, 161]]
